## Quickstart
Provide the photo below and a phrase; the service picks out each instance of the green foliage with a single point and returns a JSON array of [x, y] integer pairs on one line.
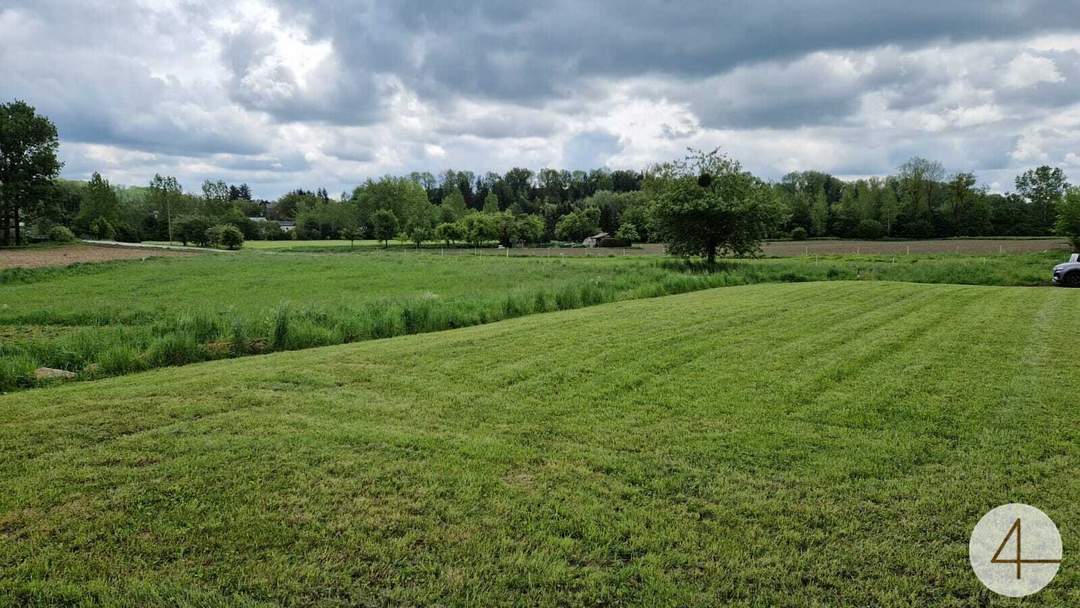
[[1068, 219], [28, 165], [870, 230], [225, 235], [1044, 188], [98, 202], [578, 225], [730, 214], [192, 229], [628, 232], [798, 234], [384, 225], [61, 234], [449, 232], [479, 228], [491, 203], [453, 206], [101, 229]]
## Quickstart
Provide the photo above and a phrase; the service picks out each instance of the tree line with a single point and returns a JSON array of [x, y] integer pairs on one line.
[[668, 202]]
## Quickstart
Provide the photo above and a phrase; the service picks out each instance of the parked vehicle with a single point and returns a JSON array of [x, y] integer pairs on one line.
[[1068, 274]]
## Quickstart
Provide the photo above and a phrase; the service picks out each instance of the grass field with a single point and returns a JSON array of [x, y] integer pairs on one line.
[[126, 315], [964, 246], [813, 444], [108, 319]]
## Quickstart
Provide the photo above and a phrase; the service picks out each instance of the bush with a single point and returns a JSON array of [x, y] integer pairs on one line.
[[61, 234], [798, 234], [919, 229], [127, 234], [870, 230], [225, 235], [192, 229], [101, 229]]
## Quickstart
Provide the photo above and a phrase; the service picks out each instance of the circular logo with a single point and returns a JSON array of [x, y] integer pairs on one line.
[[1015, 550]]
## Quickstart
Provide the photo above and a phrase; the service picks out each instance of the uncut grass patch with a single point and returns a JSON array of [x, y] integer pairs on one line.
[[172, 311], [799, 444]]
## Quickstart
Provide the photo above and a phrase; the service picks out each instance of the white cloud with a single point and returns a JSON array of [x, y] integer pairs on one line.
[[1027, 70]]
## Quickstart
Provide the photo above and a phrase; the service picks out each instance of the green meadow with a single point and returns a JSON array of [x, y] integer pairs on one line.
[[107, 319], [810, 444]]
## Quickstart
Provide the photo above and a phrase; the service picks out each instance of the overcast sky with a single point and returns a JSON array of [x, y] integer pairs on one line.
[[307, 93]]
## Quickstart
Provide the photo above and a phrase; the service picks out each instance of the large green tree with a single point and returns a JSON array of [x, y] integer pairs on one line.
[[1043, 187], [1068, 220], [707, 205], [28, 164], [99, 202]]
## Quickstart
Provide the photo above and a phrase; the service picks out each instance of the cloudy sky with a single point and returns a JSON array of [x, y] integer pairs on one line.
[[308, 93]]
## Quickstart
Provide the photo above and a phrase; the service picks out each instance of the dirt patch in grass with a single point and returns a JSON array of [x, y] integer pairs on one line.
[[37, 257]]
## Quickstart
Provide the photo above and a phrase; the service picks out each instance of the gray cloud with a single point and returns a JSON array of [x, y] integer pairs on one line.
[[292, 92]]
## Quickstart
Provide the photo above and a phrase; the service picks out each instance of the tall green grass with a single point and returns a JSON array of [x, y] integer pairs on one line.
[[301, 309]]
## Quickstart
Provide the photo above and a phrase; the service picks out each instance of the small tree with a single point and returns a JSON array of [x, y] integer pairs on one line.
[[491, 203], [453, 205], [1068, 219], [449, 232], [871, 230], [98, 202], [351, 234], [192, 229], [529, 229], [226, 235], [478, 228], [102, 229], [707, 205], [578, 225], [384, 225], [628, 232], [419, 230]]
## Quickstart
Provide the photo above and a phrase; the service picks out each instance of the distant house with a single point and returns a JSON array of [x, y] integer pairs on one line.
[[596, 240], [286, 225]]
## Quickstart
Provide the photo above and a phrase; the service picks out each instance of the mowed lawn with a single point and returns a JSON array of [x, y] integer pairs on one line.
[[812, 444]]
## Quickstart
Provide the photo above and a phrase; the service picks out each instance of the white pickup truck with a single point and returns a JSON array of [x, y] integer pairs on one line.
[[1068, 274]]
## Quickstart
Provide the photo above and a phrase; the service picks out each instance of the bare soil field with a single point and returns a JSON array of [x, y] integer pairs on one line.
[[36, 257]]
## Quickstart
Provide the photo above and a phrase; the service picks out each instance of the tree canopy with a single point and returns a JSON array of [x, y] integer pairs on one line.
[[28, 164]]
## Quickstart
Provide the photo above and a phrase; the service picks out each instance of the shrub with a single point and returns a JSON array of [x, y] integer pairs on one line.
[[870, 230], [192, 229], [127, 234], [225, 235], [102, 229], [798, 234], [61, 234]]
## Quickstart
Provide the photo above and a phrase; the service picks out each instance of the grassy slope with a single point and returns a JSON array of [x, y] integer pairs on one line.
[[810, 444], [110, 319]]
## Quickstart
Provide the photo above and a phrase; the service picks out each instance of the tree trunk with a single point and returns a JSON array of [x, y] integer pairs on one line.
[[3, 224], [15, 221]]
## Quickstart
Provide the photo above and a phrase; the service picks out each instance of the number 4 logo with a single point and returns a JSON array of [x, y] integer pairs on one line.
[[1017, 531]]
